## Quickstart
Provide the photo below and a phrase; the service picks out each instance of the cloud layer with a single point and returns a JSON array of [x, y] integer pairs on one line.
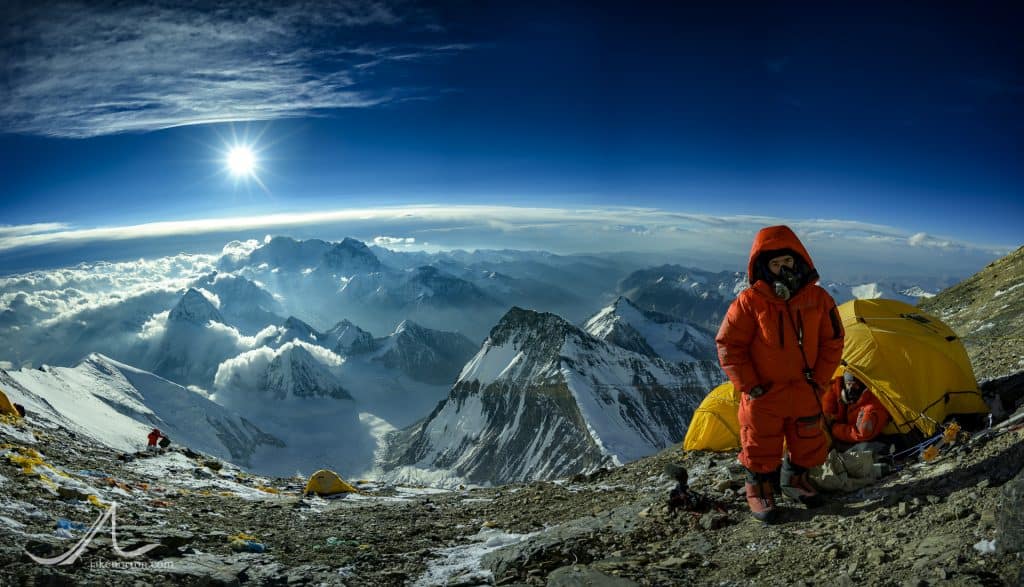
[[853, 248], [83, 69]]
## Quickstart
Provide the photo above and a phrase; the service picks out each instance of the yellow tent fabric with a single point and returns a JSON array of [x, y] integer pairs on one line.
[[6, 407], [915, 364], [325, 482], [715, 425]]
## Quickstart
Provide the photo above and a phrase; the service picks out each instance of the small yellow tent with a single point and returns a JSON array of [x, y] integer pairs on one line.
[[325, 482], [715, 425], [915, 364], [6, 407]]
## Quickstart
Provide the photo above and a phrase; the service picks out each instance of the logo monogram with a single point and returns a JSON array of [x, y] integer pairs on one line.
[[78, 549]]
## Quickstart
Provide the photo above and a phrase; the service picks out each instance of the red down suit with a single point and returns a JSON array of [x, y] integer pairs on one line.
[[861, 421], [768, 341]]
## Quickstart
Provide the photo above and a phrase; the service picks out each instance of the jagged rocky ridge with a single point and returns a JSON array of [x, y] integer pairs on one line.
[[987, 311]]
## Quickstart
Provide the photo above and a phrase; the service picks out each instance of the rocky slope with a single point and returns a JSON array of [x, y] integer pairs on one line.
[[929, 524], [987, 311]]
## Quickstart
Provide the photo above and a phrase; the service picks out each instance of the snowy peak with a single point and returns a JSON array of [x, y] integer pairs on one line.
[[295, 329], [345, 338], [242, 301], [351, 256], [430, 356], [289, 254], [700, 297], [295, 372], [430, 285], [544, 399], [910, 294], [651, 333], [194, 308], [524, 346], [519, 322]]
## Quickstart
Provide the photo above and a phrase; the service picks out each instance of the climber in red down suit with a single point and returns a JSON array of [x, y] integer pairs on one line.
[[780, 343]]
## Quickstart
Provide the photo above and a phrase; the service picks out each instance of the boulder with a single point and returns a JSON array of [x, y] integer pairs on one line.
[[1010, 516], [582, 576]]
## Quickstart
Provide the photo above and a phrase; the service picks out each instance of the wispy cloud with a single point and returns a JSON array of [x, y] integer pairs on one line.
[[26, 229], [82, 69], [393, 241]]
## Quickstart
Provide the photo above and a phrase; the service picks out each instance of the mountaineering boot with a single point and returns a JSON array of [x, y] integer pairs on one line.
[[759, 496], [797, 486]]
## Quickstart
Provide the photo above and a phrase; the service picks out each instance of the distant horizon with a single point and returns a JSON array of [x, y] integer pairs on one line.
[[841, 248]]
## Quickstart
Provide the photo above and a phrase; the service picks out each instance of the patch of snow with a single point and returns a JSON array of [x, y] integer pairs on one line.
[[22, 436], [985, 547], [435, 478], [490, 363], [11, 523], [1000, 292], [175, 469], [462, 564]]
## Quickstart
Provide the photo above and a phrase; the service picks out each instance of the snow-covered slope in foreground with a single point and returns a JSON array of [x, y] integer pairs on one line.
[[118, 405]]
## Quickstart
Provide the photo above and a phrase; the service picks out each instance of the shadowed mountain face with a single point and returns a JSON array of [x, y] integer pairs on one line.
[[243, 303], [700, 297], [430, 356]]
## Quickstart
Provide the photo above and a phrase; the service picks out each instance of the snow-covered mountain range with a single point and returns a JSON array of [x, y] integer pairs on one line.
[[605, 366]]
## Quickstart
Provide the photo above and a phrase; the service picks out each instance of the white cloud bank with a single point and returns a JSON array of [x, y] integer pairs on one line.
[[718, 239]]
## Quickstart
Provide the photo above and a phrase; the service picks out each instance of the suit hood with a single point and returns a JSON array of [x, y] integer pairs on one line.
[[773, 238]]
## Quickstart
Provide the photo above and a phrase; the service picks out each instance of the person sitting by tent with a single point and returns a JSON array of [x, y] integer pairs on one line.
[[855, 416], [154, 436]]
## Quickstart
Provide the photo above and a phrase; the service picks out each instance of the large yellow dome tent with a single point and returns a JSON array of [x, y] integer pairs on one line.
[[913, 362]]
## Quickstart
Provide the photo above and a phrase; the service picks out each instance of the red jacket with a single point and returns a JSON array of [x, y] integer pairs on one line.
[[153, 437], [759, 341], [860, 421]]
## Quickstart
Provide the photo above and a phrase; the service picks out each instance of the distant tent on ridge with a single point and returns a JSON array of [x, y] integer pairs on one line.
[[6, 407], [325, 482], [915, 364]]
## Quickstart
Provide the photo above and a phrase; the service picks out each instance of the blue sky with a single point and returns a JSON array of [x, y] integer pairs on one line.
[[906, 117]]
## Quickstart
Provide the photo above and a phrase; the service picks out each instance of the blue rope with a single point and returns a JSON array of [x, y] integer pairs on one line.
[[917, 447]]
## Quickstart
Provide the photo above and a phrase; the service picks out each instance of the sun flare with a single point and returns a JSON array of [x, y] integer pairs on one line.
[[241, 161]]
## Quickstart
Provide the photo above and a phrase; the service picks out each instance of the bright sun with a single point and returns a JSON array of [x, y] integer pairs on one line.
[[241, 161]]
